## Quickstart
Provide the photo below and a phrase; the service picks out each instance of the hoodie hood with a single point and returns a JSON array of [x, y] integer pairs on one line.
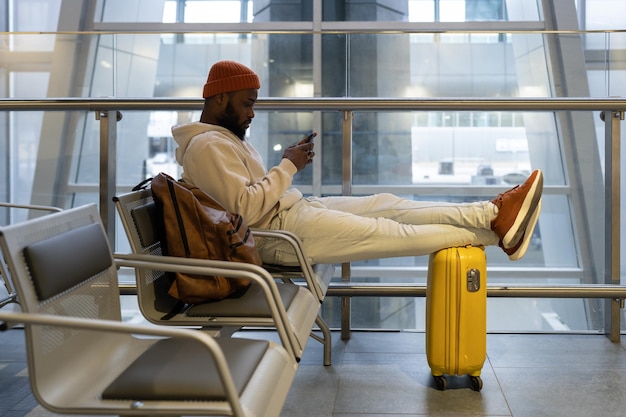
[[184, 133]]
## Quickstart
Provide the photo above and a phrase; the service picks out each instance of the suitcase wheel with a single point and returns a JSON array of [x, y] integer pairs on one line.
[[440, 382], [476, 383]]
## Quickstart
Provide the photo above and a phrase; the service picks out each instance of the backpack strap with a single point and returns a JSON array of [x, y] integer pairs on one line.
[[179, 218], [142, 185]]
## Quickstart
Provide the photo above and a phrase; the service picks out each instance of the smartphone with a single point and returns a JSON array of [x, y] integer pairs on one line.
[[308, 138]]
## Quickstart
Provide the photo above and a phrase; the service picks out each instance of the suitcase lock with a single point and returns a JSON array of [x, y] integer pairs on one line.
[[473, 280]]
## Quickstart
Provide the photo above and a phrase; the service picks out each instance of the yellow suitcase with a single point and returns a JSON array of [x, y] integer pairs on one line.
[[456, 314]]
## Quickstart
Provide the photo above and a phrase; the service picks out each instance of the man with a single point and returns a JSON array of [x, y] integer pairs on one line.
[[216, 157]]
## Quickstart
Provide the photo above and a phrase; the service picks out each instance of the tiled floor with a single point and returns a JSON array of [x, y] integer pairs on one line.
[[386, 374]]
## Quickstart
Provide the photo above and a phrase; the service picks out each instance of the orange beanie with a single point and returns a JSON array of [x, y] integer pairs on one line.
[[227, 76]]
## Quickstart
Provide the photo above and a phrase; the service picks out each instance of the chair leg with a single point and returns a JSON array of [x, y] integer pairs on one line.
[[326, 339]]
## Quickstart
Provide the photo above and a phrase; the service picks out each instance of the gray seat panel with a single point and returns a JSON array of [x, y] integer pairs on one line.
[[170, 370], [251, 304], [55, 266]]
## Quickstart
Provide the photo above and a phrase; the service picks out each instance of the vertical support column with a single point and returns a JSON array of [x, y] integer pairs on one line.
[[612, 151], [108, 178], [317, 92], [346, 189], [5, 147]]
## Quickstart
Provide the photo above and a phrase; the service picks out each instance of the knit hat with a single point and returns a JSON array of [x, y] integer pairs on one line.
[[227, 76]]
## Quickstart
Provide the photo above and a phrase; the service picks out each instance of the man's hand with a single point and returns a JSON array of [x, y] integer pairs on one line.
[[300, 154]]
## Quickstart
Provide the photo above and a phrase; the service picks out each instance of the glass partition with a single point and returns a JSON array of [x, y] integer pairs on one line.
[[448, 155]]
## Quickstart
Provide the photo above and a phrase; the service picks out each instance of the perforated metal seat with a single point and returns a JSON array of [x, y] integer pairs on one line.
[[82, 359], [302, 302]]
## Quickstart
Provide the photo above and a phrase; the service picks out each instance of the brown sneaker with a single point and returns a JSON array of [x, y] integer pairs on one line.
[[515, 208], [519, 250]]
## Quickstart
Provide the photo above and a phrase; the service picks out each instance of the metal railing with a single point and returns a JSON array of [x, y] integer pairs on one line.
[[108, 110]]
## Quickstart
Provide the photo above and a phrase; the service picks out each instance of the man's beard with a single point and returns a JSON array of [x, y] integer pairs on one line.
[[230, 121]]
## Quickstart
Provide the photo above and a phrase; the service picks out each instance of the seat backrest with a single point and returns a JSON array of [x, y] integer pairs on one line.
[[61, 264], [7, 294], [139, 218], [138, 215]]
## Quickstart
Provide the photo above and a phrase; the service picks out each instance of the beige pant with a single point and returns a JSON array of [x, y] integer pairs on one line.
[[346, 229]]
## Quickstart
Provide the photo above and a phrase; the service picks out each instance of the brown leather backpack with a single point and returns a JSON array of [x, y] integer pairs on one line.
[[196, 226]]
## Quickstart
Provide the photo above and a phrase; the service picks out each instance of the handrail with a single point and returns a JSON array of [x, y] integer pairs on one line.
[[368, 289], [324, 104], [416, 289], [384, 27]]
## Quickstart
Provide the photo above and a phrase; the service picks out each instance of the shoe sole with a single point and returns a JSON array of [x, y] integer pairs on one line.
[[521, 251], [528, 208]]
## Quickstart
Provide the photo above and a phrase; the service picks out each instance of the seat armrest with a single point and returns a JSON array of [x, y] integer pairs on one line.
[[30, 207], [223, 268], [303, 262]]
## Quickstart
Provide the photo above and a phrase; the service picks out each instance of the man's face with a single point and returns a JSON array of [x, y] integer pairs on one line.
[[238, 111]]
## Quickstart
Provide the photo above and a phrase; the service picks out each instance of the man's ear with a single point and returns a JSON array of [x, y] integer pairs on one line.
[[221, 98]]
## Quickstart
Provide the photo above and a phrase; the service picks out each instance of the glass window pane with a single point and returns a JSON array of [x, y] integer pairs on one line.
[[34, 16], [170, 11], [130, 11], [272, 132], [213, 11], [368, 11], [24, 130], [421, 11], [604, 14], [182, 68], [485, 10], [452, 10], [432, 11], [399, 67]]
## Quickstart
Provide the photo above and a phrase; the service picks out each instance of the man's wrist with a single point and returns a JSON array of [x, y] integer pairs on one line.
[[288, 165]]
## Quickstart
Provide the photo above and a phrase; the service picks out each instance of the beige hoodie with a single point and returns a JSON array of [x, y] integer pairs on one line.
[[233, 173]]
